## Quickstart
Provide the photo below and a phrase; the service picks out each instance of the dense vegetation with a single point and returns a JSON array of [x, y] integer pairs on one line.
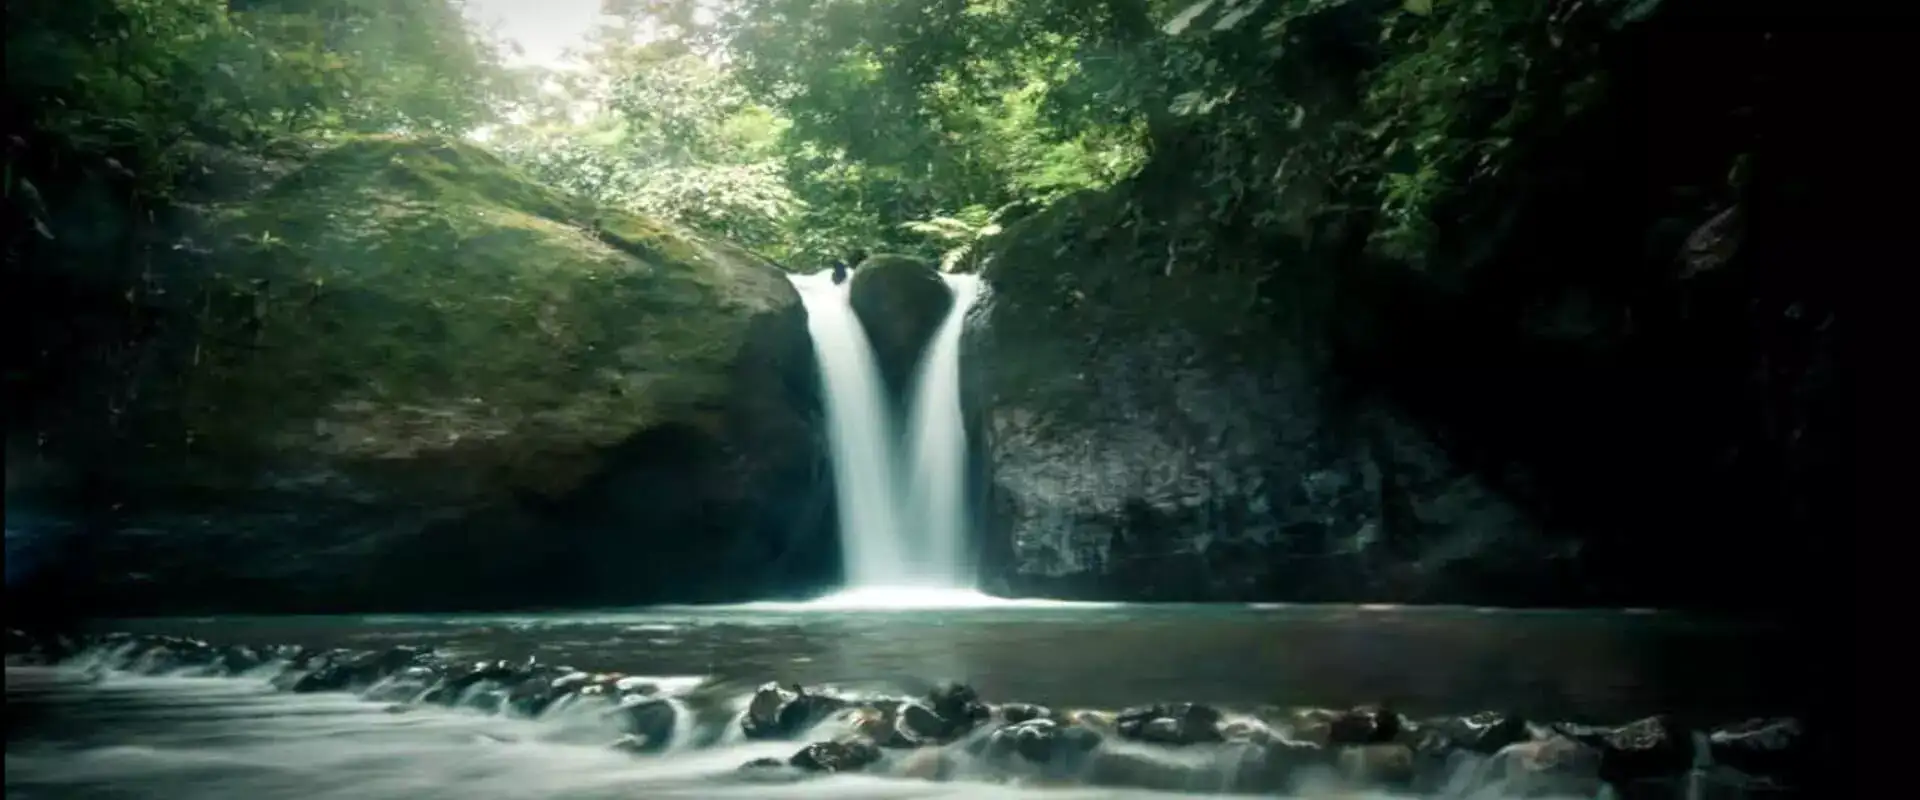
[[808, 130]]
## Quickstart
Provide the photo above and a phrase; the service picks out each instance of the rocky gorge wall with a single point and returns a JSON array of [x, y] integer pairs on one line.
[[1150, 439], [1605, 381]]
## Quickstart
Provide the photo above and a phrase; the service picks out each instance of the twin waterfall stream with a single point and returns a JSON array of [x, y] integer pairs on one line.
[[901, 484]]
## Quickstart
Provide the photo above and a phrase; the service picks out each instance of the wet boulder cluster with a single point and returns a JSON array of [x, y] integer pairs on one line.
[[859, 730], [951, 733], [404, 677]]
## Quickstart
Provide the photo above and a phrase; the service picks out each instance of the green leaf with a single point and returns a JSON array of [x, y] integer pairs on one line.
[[1185, 18]]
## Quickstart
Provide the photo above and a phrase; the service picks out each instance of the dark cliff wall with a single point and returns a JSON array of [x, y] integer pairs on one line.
[[1613, 376]]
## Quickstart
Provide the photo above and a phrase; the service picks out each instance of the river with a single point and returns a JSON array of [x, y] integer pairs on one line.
[[71, 733]]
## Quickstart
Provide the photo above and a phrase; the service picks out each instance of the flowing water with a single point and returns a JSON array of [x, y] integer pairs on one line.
[[860, 432], [904, 540], [123, 736], [938, 503]]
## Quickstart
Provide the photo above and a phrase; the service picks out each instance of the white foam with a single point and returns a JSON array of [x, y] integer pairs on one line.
[[912, 598]]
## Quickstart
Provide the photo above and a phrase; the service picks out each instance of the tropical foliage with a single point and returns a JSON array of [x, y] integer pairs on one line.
[[807, 130], [143, 81]]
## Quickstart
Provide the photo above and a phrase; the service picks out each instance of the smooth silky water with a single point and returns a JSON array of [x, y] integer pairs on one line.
[[861, 434], [937, 446], [901, 485], [183, 737]]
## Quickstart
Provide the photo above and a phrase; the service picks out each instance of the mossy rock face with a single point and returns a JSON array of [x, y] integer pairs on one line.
[[1152, 436], [407, 297], [901, 302], [411, 324]]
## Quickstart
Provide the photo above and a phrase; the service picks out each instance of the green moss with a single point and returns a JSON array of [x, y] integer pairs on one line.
[[434, 168], [398, 295], [645, 239]]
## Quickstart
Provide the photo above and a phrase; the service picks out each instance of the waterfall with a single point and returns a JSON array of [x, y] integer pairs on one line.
[[937, 499], [860, 434], [904, 527]]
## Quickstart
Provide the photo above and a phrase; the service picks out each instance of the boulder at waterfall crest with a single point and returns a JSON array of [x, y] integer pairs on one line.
[[901, 302]]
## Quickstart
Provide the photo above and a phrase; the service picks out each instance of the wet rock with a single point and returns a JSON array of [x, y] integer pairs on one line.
[[456, 690], [770, 770], [1041, 741], [240, 659], [1364, 725], [917, 724], [597, 687], [1443, 747], [649, 721], [1246, 729], [361, 532], [778, 712], [845, 755], [876, 722], [1390, 765], [1436, 755], [1486, 732], [637, 745], [1102, 721], [1171, 723], [570, 680], [357, 671], [1772, 748], [306, 664], [535, 694], [763, 711], [1313, 725], [901, 301], [413, 681], [1015, 713], [171, 654], [1652, 748], [901, 724], [630, 685], [960, 706], [1555, 766]]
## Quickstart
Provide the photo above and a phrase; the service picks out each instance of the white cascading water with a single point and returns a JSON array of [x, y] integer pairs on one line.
[[860, 433], [904, 543], [936, 498]]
